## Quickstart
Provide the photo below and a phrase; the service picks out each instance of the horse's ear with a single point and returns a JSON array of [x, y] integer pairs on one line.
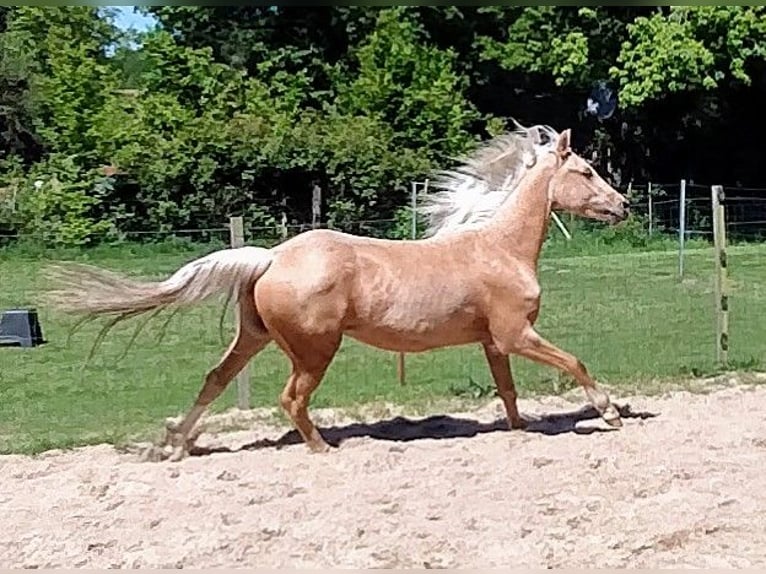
[[562, 146]]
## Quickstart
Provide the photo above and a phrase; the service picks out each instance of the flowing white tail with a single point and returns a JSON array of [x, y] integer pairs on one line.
[[91, 291]]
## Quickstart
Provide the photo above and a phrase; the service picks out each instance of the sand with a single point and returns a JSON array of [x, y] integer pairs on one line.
[[682, 484]]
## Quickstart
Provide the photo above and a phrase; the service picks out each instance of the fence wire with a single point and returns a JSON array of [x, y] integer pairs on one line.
[[745, 211]]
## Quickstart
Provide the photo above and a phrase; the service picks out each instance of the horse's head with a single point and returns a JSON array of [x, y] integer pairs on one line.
[[577, 188]]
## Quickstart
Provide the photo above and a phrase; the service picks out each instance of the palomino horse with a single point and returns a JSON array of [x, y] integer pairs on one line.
[[473, 280]]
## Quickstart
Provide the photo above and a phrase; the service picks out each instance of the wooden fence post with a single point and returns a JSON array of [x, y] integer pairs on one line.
[[651, 214], [400, 370], [237, 239], [721, 265]]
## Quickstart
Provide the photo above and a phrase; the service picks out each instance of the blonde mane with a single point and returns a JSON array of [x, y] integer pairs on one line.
[[472, 192]]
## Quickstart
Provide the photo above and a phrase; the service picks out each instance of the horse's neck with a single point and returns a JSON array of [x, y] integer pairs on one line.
[[521, 223]]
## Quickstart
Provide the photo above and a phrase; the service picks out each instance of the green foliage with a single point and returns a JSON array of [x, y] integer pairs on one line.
[[632, 231], [63, 48], [11, 171], [402, 227], [242, 110], [473, 389], [412, 86], [56, 202], [534, 44], [663, 55], [569, 45], [689, 48], [364, 163], [16, 102]]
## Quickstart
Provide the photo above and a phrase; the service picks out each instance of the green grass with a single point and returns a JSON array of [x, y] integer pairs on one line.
[[626, 315]]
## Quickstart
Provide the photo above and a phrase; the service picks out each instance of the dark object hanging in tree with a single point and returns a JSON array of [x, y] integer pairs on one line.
[[602, 101], [20, 328]]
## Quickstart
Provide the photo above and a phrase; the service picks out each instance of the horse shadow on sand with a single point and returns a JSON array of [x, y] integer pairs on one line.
[[438, 427]]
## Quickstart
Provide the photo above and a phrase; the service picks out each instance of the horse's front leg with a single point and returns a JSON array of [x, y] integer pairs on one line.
[[500, 366], [528, 343]]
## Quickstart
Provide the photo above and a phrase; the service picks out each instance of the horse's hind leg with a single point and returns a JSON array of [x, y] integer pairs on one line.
[[310, 359], [250, 339]]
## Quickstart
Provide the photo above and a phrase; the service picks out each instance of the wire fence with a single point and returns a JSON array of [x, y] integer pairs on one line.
[[628, 316], [745, 210], [263, 234], [658, 204]]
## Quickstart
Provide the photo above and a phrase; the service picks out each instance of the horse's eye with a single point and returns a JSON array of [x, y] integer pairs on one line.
[[587, 172]]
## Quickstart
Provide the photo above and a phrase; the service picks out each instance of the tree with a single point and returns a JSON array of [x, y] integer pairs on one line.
[[699, 73], [63, 50], [689, 49], [411, 85], [242, 110]]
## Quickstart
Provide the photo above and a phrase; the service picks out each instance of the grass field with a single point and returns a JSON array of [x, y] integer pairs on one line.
[[626, 315]]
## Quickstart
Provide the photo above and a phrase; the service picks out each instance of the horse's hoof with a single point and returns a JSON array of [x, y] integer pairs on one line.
[[616, 423], [319, 448], [612, 417], [179, 453], [155, 453], [518, 424], [613, 421]]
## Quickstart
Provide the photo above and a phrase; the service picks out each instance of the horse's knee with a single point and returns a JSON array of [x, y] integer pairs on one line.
[[515, 342]]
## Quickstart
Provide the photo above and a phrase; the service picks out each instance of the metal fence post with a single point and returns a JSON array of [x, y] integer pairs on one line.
[[681, 228]]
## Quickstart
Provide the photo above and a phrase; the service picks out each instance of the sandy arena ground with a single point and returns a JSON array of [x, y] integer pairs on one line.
[[683, 484]]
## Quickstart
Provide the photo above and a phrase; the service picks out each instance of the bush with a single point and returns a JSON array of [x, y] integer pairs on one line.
[[57, 200], [402, 226]]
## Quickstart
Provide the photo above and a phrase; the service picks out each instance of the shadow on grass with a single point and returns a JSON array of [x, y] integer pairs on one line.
[[402, 429]]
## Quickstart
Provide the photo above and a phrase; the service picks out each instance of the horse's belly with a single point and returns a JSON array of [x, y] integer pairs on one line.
[[415, 333], [405, 342]]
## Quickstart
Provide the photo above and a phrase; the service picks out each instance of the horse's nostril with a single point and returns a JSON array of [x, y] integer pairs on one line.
[[626, 205]]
